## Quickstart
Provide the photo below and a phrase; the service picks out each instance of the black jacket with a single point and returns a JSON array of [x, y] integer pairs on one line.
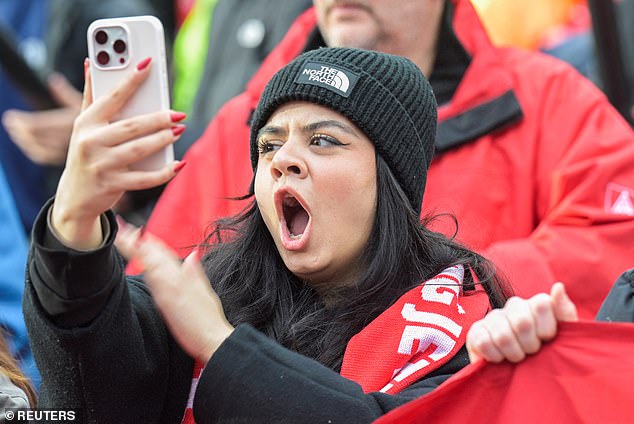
[[619, 305], [102, 347]]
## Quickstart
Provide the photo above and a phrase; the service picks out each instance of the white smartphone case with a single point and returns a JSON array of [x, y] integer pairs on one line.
[[144, 39]]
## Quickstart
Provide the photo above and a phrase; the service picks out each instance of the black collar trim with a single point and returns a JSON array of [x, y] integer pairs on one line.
[[474, 123]]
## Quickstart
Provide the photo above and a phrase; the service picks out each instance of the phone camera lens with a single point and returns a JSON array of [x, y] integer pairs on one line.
[[101, 37], [103, 58], [119, 46]]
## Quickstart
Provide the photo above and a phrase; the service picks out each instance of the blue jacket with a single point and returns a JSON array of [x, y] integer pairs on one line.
[[13, 251], [27, 20]]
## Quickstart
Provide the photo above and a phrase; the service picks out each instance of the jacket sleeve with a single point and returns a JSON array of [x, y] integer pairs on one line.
[[251, 378], [584, 193], [97, 338], [619, 305]]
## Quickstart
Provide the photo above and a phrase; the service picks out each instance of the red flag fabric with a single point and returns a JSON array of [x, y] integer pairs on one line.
[[584, 376]]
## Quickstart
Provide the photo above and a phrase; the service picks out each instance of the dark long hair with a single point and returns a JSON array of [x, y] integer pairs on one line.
[[256, 287]]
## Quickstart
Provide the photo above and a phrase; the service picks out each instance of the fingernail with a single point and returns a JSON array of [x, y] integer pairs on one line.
[[178, 129], [177, 116], [86, 66], [143, 64], [180, 166], [121, 222]]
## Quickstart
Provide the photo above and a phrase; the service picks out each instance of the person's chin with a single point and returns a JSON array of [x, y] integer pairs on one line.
[[302, 266], [352, 35]]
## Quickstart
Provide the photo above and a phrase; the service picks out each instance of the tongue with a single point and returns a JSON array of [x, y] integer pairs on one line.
[[299, 222]]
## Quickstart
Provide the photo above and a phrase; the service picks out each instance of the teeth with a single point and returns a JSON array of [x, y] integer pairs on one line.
[[295, 237]]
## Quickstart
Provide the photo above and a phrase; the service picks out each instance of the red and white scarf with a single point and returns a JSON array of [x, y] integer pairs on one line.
[[418, 334]]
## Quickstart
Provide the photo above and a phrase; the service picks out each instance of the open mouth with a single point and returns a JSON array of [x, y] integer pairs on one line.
[[295, 217]]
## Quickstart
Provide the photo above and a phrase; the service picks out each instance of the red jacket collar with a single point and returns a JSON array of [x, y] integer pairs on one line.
[[290, 47], [484, 81]]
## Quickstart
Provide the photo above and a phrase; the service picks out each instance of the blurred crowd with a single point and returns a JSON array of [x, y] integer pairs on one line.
[[220, 49]]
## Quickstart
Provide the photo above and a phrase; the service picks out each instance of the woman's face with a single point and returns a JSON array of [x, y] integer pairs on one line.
[[316, 189]]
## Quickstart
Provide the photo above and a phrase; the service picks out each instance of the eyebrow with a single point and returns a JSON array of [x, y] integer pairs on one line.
[[330, 123]]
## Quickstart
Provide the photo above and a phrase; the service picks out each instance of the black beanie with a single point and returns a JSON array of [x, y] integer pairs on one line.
[[386, 96]]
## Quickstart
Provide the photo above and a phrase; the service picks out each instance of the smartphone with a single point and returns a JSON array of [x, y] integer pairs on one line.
[[115, 47], [34, 90]]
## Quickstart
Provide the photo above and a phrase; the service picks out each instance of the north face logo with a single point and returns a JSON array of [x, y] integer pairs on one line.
[[336, 79], [618, 200], [330, 76]]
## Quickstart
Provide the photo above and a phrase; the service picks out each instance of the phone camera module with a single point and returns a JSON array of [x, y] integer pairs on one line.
[[103, 58], [119, 46], [101, 37]]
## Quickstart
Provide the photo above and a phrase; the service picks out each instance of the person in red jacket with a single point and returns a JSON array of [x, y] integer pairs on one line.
[[530, 157]]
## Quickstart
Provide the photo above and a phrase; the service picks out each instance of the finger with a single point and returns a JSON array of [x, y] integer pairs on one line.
[[503, 336], [40, 124], [542, 309], [520, 317], [64, 92], [161, 267], [135, 150], [565, 309], [192, 262], [138, 126], [87, 98], [194, 269], [127, 239], [13, 122], [108, 106], [20, 133], [480, 345], [141, 180]]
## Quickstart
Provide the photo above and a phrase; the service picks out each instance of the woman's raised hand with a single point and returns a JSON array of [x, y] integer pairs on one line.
[[520, 327], [181, 291], [97, 170]]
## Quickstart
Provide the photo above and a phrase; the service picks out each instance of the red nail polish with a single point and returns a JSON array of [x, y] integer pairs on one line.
[[180, 166], [143, 64], [121, 222], [177, 116], [178, 129]]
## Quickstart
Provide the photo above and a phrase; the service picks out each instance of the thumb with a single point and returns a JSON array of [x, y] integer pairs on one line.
[[64, 92], [192, 265], [563, 307]]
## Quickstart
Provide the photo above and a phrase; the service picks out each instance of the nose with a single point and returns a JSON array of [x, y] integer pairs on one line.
[[288, 161]]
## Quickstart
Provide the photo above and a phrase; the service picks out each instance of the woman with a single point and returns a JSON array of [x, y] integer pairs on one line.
[[329, 271]]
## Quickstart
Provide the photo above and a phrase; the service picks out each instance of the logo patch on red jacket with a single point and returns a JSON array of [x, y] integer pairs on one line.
[[619, 199]]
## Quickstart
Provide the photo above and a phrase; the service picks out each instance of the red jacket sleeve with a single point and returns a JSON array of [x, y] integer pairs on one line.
[[584, 197], [218, 169]]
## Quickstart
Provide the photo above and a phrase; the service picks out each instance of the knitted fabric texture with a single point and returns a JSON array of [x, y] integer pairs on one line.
[[386, 96]]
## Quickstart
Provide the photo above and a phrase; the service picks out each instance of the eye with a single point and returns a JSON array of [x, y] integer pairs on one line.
[[323, 140], [268, 146]]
